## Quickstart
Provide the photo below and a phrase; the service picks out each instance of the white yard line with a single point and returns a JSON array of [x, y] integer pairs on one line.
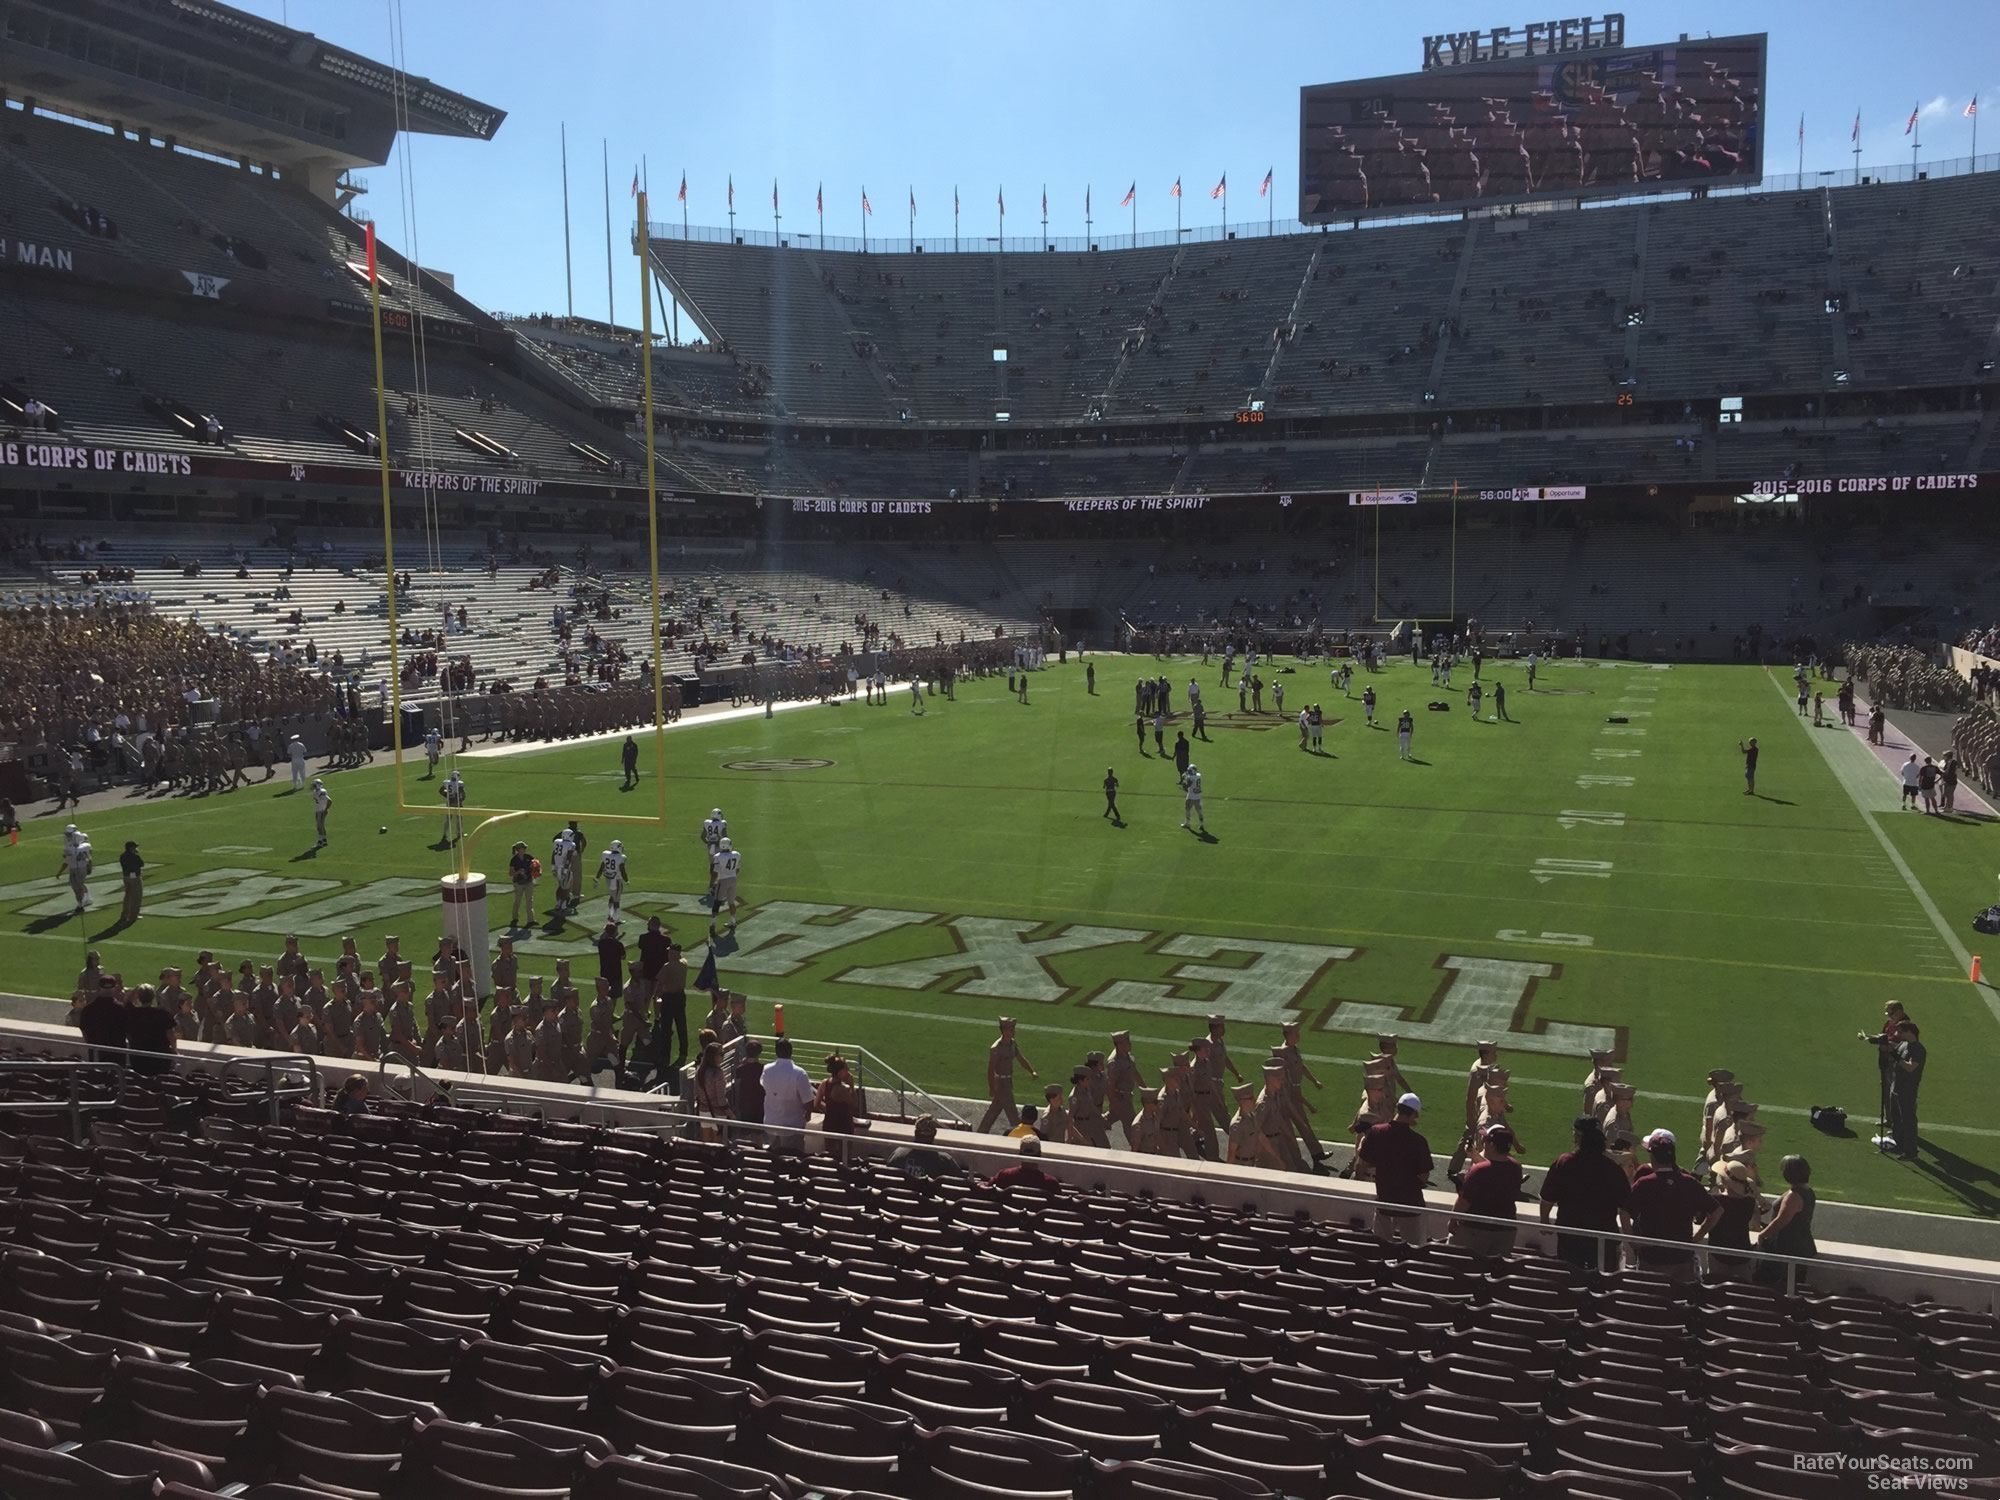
[[1844, 756]]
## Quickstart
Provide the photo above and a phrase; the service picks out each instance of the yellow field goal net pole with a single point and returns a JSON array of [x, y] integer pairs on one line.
[[491, 815], [1452, 597]]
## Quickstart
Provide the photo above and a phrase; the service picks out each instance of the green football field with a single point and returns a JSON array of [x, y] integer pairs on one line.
[[1553, 883]]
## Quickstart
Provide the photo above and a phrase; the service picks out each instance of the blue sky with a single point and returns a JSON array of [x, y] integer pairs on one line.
[[896, 95]]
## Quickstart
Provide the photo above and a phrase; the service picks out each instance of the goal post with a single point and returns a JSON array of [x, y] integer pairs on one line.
[[487, 816], [1417, 497]]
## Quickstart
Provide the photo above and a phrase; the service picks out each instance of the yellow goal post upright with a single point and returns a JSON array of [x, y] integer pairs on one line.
[[1421, 495], [463, 894]]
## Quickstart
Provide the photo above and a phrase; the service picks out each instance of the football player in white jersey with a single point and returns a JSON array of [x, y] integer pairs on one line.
[[433, 748], [917, 696], [611, 870], [1191, 804], [322, 801], [453, 792], [713, 831], [77, 865], [562, 860], [723, 866]]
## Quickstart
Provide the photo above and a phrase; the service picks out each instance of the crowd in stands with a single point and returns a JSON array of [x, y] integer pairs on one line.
[[81, 674], [1904, 677]]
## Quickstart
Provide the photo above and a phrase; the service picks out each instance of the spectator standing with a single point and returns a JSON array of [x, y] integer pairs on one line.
[[132, 867], [1667, 1203], [1400, 1159], [1790, 1231], [837, 1100], [1736, 1208], [1489, 1188], [711, 1090], [103, 1018], [746, 1089], [1904, 1080], [1584, 1189], [788, 1095], [149, 1030], [521, 876]]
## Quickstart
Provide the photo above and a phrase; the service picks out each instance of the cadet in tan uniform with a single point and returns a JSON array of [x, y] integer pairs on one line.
[[1172, 1123], [1001, 1060], [518, 1047], [1204, 1092], [1142, 1131], [1121, 1081], [1297, 1073], [1055, 1124], [1600, 1099], [1086, 1112], [506, 972], [402, 1023], [369, 1036], [550, 1064], [470, 1036], [1716, 1078], [1593, 1081], [1617, 1119], [499, 1023], [450, 1051], [1475, 1081], [1274, 1118], [1247, 1146], [1385, 1046], [569, 1021], [603, 1023], [1218, 1052]]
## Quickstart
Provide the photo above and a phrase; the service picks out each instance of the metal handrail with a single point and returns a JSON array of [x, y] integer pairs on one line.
[[75, 1104], [417, 1074], [271, 1067], [893, 1081]]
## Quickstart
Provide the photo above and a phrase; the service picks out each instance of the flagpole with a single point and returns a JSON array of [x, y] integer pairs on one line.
[[1003, 221], [819, 203], [913, 218], [1802, 150], [569, 287], [610, 285], [732, 208], [1270, 203], [1857, 148], [954, 218], [1916, 138], [864, 220], [1225, 208], [1177, 214], [774, 210], [1975, 132], [1045, 214], [1135, 219], [1086, 198]]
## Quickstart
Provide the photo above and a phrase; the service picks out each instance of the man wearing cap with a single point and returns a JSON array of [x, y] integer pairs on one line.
[[1173, 1137], [1296, 1073], [1205, 1112], [1142, 1131], [1247, 1146], [1666, 1203], [1027, 1172], [1218, 1052], [1274, 1118], [1086, 1107], [1399, 1156], [506, 971], [1593, 1082], [1717, 1077], [1001, 1059], [1121, 1081], [1055, 1123], [1489, 1188]]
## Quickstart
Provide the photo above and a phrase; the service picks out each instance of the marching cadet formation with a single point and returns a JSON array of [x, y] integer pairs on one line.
[[1110, 1101], [548, 1033]]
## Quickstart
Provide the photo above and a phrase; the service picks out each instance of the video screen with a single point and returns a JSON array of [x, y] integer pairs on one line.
[[1572, 123]]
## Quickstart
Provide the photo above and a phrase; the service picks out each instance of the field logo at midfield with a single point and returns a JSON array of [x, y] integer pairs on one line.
[[997, 959], [783, 763], [1261, 982], [1481, 999]]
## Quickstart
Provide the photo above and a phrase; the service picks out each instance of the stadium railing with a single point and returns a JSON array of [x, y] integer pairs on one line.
[[978, 243]]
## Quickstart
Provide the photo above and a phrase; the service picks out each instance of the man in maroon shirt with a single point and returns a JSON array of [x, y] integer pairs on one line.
[[1666, 1204], [1027, 1172], [1401, 1160], [1489, 1188], [1585, 1189]]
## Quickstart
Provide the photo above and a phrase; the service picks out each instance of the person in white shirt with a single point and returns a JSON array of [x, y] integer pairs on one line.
[[296, 750], [563, 859], [722, 871], [611, 870], [453, 793], [788, 1097], [713, 831], [322, 802], [1191, 805], [433, 748], [77, 865], [916, 696]]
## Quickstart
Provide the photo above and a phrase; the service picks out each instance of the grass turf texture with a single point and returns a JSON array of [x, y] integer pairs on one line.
[[1713, 929]]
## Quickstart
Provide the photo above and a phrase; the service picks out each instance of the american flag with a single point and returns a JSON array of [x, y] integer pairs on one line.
[[1912, 123], [683, 194], [1130, 193], [1972, 108], [1176, 191], [1221, 189], [866, 206], [1266, 188]]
